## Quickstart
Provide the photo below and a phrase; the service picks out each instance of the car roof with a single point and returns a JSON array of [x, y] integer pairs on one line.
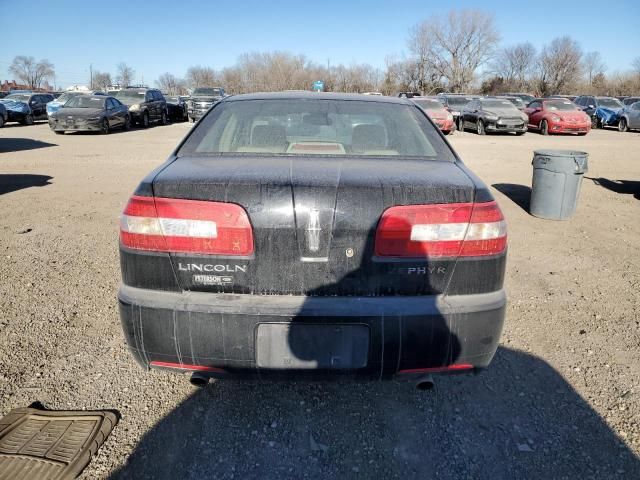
[[307, 95]]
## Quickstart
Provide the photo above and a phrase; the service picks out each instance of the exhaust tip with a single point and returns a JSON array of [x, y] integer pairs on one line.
[[425, 383], [199, 380]]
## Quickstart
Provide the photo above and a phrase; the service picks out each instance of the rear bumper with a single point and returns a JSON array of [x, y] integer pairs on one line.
[[220, 331]]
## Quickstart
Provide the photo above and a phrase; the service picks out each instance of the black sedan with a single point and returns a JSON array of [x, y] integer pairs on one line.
[[314, 234], [90, 113], [485, 115], [177, 108]]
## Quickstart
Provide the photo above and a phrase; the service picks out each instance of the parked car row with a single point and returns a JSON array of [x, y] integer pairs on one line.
[[556, 114], [145, 106]]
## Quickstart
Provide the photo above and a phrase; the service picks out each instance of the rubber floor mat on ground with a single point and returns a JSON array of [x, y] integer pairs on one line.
[[52, 445]]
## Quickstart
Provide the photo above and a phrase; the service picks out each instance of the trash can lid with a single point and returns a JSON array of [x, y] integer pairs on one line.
[[561, 161]]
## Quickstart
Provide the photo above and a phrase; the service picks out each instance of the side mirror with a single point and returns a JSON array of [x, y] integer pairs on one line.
[[592, 106]]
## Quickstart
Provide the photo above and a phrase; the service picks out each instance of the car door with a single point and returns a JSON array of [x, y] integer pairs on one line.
[[112, 113], [35, 103], [151, 107], [534, 112], [634, 115], [122, 110], [469, 114]]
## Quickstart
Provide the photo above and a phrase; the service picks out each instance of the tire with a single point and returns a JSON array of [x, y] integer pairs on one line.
[[582, 134], [127, 123], [595, 122], [544, 128], [519, 134], [1, 121], [622, 125], [104, 127], [145, 120], [460, 124], [192, 120], [163, 118], [447, 132], [480, 128], [28, 120]]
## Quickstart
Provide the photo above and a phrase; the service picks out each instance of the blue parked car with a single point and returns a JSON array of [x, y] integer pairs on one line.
[[62, 99]]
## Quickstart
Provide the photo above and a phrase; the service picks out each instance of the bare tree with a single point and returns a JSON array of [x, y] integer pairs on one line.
[[636, 65], [201, 77], [455, 46], [124, 74], [514, 65], [593, 65], [560, 65], [101, 80], [30, 72], [169, 83]]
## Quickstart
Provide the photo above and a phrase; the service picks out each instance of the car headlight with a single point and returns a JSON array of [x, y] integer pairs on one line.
[[525, 118], [94, 118], [555, 118], [449, 116], [455, 113], [491, 117], [135, 107]]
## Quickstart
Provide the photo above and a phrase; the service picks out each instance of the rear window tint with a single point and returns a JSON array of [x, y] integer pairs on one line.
[[316, 127]]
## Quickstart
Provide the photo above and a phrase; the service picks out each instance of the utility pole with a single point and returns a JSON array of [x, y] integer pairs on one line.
[[91, 76]]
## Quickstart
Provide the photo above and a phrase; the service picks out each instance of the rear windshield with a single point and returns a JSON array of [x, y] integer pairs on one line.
[[129, 95], [316, 127]]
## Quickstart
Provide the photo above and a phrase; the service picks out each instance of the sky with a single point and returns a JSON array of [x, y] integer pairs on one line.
[[169, 36]]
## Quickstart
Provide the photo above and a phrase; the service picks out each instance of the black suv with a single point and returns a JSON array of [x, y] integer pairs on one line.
[[202, 99], [146, 105], [589, 104]]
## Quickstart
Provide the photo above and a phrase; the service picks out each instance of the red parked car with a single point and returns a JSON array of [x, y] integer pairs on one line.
[[436, 111], [557, 115]]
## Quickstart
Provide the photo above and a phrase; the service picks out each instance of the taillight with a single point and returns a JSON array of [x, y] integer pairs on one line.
[[187, 226], [442, 230]]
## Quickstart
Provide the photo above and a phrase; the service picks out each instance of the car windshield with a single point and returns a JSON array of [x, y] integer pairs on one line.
[[517, 101], [66, 96], [17, 97], [207, 91], [82, 101], [497, 103], [458, 101], [609, 103], [429, 104], [316, 127], [560, 105], [130, 96]]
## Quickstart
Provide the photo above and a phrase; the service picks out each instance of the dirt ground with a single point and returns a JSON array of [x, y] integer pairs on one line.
[[560, 400]]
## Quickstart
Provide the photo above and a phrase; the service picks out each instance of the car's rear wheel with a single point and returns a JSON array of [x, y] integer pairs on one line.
[[622, 125], [460, 124], [544, 127], [127, 123], [104, 126], [145, 119], [1, 121], [595, 122], [28, 120], [163, 118], [480, 128]]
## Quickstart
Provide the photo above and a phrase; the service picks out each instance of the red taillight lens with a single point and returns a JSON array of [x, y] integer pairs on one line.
[[441, 230], [187, 226]]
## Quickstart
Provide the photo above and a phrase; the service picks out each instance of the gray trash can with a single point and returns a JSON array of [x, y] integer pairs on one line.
[[557, 176]]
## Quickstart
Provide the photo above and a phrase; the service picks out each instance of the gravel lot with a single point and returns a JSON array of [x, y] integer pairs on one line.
[[561, 399]]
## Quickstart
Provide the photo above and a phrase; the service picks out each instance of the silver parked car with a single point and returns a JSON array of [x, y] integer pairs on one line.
[[630, 117]]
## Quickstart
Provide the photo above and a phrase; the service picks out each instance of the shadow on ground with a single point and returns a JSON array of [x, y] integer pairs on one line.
[[19, 144], [518, 419], [628, 187], [12, 182], [519, 194]]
